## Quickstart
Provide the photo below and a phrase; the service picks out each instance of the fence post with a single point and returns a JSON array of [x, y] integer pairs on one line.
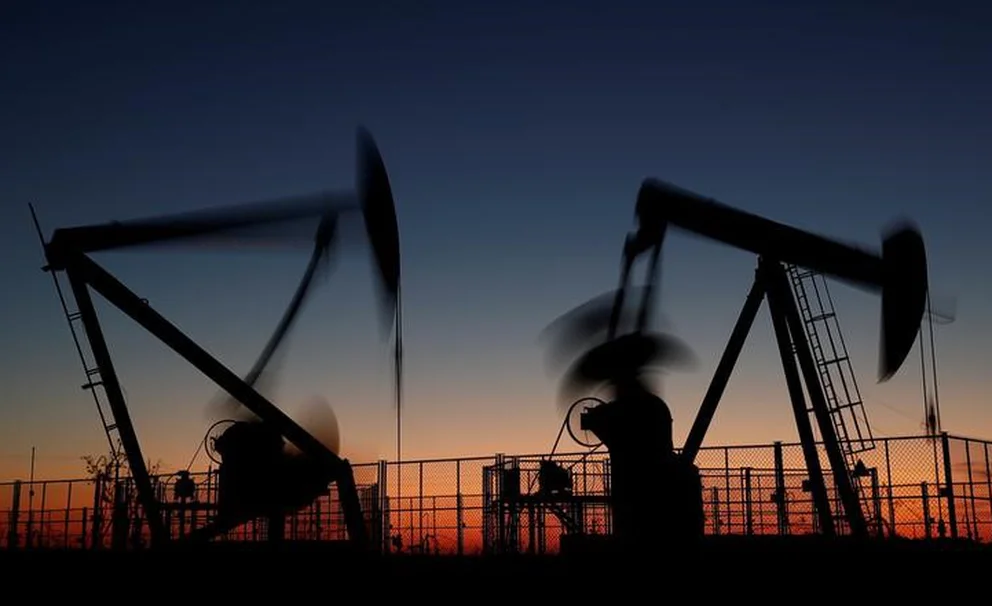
[[384, 521], [783, 515], [500, 524], [459, 523], [43, 518], [119, 521], [29, 530], [608, 492], [949, 484], [420, 504], [988, 478], [927, 518], [971, 520], [68, 509], [729, 501], [876, 499], [891, 499], [715, 505], [15, 514], [748, 513]]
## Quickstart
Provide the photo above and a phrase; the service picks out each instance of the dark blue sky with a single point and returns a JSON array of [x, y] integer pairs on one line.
[[516, 135]]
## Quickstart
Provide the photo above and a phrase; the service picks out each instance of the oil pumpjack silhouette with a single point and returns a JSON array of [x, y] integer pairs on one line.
[[260, 476], [656, 492]]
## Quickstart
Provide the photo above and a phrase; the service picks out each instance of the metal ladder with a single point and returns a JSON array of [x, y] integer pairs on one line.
[[94, 383], [840, 387]]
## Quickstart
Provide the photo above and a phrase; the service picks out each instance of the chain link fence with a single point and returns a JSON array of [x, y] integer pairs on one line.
[[913, 487]]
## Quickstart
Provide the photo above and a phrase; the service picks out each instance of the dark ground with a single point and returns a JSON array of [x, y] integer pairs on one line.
[[760, 567]]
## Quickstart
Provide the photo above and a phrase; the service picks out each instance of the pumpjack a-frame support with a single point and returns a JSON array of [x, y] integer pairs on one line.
[[771, 283], [84, 273]]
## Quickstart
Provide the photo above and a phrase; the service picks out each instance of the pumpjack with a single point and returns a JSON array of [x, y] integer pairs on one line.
[[259, 478], [636, 425]]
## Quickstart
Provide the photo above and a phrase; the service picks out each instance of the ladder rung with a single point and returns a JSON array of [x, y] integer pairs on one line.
[[92, 372], [836, 360], [111, 427], [92, 384], [73, 316], [818, 342]]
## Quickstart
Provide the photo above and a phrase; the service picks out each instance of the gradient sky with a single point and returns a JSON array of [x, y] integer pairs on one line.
[[516, 136]]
